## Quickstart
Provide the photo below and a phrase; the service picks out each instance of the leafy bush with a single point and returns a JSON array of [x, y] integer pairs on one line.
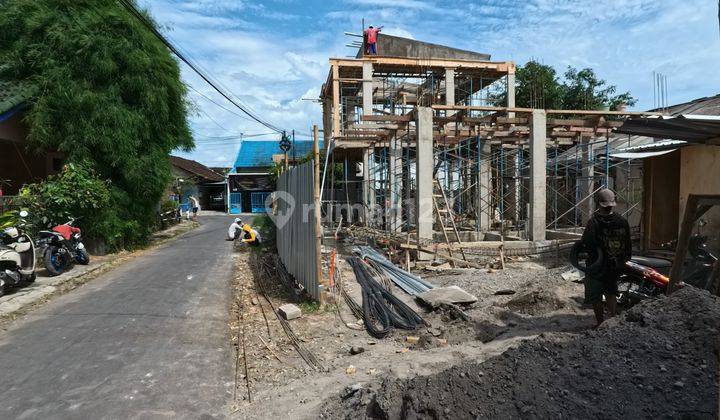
[[169, 205], [76, 192], [9, 218]]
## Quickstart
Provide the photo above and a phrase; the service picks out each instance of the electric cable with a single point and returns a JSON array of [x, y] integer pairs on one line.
[[143, 20]]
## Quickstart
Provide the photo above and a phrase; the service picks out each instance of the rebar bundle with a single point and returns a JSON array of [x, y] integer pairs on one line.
[[410, 283], [382, 311]]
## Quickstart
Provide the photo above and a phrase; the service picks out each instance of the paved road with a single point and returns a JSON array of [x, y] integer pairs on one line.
[[147, 340]]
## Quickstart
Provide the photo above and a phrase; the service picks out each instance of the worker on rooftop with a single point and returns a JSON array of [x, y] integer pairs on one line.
[[610, 232], [371, 35]]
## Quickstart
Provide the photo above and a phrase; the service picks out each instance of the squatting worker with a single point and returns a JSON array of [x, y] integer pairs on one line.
[[371, 40], [235, 229], [250, 235], [195, 204], [611, 233]]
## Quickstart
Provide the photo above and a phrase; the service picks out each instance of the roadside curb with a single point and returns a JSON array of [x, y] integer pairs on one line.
[[27, 298]]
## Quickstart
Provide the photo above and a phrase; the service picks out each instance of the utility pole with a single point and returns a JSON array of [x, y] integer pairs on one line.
[[293, 147]]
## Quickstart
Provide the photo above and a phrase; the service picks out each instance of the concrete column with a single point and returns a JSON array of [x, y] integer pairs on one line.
[[450, 97], [336, 101], [367, 87], [484, 198], [512, 205], [424, 173], [349, 115], [371, 187], [586, 182], [538, 183], [396, 176], [366, 185], [511, 93], [450, 88]]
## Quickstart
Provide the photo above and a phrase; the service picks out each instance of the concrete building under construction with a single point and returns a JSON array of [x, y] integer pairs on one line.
[[433, 150]]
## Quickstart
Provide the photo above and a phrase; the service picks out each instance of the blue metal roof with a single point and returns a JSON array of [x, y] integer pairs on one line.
[[258, 153]]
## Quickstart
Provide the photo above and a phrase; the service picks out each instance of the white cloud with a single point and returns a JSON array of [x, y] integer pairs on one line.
[[273, 53]]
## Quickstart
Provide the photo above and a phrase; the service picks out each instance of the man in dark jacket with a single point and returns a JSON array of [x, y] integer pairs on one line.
[[611, 233]]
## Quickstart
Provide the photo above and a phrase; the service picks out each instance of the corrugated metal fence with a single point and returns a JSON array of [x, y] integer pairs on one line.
[[295, 222]]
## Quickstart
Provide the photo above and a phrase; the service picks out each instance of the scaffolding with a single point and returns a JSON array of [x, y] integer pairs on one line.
[[486, 176]]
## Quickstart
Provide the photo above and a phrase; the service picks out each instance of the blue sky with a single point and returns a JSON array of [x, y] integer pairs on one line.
[[271, 54]]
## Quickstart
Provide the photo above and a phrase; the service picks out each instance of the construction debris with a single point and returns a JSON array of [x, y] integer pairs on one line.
[[289, 311], [412, 339], [450, 294]]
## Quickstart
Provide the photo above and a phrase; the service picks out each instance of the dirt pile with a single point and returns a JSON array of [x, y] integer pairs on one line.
[[537, 301], [660, 359]]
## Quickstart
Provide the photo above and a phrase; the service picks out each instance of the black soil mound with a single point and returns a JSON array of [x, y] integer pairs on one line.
[[660, 360]]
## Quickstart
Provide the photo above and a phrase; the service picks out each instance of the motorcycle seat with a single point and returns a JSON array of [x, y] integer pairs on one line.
[[659, 264]]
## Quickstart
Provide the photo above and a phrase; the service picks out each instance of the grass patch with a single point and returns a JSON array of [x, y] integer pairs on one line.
[[311, 307]]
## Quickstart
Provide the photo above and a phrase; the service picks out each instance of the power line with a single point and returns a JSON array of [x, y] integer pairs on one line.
[[134, 11]]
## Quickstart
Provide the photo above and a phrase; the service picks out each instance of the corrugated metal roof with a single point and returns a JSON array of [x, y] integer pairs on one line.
[[696, 121], [13, 94], [692, 128], [702, 106], [258, 153]]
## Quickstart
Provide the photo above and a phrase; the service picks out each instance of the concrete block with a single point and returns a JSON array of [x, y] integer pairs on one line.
[[289, 311], [451, 294]]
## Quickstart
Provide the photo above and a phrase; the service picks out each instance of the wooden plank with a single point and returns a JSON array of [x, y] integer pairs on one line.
[[419, 63], [359, 133], [559, 122], [336, 101], [341, 144], [389, 118], [444, 256], [452, 217], [480, 108], [442, 225], [506, 120], [471, 120], [598, 112], [713, 282], [548, 111], [683, 242]]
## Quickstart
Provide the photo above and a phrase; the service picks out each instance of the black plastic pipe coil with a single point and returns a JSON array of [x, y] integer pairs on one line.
[[382, 311]]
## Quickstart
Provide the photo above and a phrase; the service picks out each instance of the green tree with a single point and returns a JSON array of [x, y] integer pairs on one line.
[[582, 89], [109, 94], [538, 86]]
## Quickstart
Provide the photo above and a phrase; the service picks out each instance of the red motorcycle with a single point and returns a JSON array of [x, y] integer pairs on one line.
[[648, 277], [62, 247]]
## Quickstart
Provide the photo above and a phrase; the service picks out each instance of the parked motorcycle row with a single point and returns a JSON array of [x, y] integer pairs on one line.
[[59, 249]]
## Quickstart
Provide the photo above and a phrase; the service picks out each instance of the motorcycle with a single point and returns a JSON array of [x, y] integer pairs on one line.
[[17, 256], [648, 277], [62, 248]]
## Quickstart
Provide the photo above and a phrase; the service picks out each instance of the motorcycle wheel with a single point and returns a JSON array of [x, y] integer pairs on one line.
[[54, 261], [82, 257]]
